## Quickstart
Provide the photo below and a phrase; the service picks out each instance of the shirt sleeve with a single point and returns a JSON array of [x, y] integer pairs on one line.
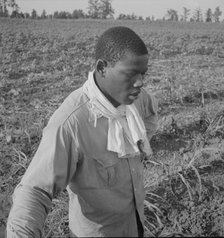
[[49, 172], [28, 213], [148, 107]]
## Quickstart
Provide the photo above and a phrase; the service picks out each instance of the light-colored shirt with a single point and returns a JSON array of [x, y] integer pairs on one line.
[[104, 191]]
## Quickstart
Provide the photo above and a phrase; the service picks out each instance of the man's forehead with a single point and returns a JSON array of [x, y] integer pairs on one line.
[[131, 61], [135, 60]]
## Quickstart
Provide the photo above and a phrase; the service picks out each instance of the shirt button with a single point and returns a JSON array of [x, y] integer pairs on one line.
[[133, 169]]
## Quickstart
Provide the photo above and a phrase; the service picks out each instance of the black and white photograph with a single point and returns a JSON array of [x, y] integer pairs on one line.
[[111, 118]]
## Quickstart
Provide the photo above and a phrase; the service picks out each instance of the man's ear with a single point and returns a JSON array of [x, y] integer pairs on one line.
[[101, 67]]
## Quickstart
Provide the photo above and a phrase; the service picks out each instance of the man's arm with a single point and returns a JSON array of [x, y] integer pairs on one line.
[[151, 119], [28, 213], [49, 173], [148, 107]]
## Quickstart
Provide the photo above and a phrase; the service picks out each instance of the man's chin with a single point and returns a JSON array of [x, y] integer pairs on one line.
[[129, 101]]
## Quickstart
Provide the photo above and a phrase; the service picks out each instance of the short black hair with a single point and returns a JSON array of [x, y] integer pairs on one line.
[[116, 41]]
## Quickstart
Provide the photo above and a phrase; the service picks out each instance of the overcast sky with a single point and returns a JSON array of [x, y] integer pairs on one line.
[[156, 8]]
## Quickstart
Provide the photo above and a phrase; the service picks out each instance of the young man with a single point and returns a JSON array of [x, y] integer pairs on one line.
[[92, 146]]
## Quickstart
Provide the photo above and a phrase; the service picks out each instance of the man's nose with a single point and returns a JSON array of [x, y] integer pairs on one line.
[[139, 81]]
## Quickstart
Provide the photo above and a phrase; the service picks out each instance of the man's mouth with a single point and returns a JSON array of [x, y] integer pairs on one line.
[[134, 95]]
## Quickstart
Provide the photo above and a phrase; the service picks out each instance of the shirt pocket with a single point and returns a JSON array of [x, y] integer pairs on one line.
[[106, 170]]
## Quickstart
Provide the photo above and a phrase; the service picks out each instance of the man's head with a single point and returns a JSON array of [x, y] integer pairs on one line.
[[115, 42], [121, 62]]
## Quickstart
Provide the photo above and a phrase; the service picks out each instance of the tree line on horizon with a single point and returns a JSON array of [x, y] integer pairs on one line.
[[102, 9]]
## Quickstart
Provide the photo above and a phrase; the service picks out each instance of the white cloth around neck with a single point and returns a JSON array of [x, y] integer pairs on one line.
[[123, 121]]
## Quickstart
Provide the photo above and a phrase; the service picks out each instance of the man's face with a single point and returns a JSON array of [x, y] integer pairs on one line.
[[124, 80]]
